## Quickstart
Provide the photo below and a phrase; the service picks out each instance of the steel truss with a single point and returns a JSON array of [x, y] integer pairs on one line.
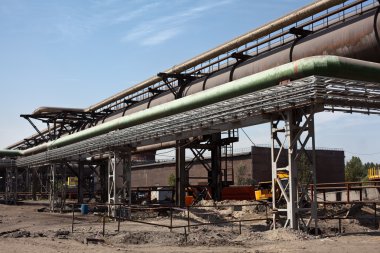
[[57, 186], [11, 184], [59, 123], [291, 133], [321, 93], [119, 191], [213, 167], [170, 82]]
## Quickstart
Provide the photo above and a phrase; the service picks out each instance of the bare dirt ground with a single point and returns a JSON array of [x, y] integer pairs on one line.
[[23, 229]]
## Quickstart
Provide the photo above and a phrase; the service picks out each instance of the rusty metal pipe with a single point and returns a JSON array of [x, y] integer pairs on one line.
[[318, 65], [48, 109], [354, 39], [273, 26]]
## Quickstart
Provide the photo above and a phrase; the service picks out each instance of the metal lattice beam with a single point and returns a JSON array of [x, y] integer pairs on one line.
[[321, 93]]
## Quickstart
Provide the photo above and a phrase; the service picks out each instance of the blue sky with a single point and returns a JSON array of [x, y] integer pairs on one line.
[[75, 53]]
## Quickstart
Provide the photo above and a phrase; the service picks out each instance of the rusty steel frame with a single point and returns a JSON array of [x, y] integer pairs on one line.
[[323, 93], [322, 20]]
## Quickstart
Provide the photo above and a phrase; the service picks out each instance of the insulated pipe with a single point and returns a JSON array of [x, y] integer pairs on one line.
[[332, 66], [47, 109], [153, 147], [10, 153], [273, 26], [355, 39]]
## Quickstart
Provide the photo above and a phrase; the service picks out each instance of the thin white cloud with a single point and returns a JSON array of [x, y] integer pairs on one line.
[[161, 37], [130, 15], [148, 22], [156, 31]]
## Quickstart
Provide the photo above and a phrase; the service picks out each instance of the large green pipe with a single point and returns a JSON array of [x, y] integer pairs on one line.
[[287, 20], [332, 66], [10, 153]]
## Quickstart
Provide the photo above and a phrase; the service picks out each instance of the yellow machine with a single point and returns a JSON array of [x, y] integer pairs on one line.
[[72, 182], [264, 189], [374, 174]]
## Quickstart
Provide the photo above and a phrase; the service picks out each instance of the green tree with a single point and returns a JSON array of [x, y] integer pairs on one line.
[[243, 177], [304, 169], [171, 180], [355, 170]]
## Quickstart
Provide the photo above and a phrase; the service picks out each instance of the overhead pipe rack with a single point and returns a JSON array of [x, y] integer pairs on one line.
[[314, 17], [239, 103]]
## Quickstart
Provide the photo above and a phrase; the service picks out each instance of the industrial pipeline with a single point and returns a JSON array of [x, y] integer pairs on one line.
[[356, 37], [332, 66]]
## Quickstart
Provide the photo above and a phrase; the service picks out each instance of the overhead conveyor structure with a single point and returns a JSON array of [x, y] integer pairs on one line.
[[282, 73]]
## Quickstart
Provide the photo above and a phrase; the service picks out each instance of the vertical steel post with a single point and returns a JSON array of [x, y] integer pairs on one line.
[[104, 224], [290, 134], [128, 180], [80, 181], [180, 173], [375, 215], [171, 219], [103, 174], [72, 222], [216, 170], [118, 219], [274, 141], [52, 192], [314, 200], [34, 183], [188, 218], [111, 184]]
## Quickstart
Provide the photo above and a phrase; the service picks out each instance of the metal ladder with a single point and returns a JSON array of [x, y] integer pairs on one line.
[[228, 139]]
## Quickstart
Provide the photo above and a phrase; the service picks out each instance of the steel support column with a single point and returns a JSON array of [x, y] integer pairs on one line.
[[216, 170], [11, 185], [119, 180], [127, 180], [112, 198], [181, 182], [52, 188], [103, 178], [290, 196], [34, 183], [80, 182]]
